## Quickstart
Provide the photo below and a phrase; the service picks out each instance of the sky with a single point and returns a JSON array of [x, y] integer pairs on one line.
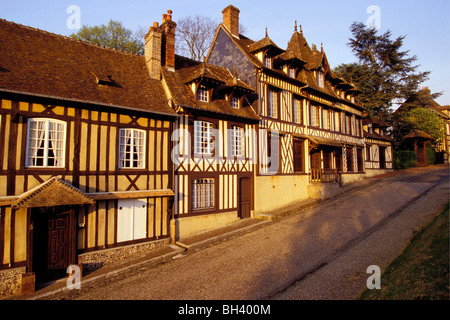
[[426, 24]]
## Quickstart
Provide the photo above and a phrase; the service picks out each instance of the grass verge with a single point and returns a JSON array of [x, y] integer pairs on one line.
[[421, 271]]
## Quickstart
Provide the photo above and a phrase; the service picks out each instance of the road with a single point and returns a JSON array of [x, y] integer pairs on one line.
[[320, 253]]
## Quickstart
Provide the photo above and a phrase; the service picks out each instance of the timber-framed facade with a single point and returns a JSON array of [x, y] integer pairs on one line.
[[85, 155]]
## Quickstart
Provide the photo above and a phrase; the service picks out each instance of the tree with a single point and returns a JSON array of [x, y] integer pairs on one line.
[[423, 119], [385, 73], [194, 36], [113, 35]]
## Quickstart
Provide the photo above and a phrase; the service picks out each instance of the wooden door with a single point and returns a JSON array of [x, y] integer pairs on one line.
[[245, 198], [382, 157], [53, 242]]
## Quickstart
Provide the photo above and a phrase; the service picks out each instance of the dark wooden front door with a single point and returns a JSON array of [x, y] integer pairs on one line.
[[382, 157], [53, 242], [245, 197]]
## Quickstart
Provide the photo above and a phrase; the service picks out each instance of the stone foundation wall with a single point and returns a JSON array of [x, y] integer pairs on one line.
[[11, 282], [92, 261]]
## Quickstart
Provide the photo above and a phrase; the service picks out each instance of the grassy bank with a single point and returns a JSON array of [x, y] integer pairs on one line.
[[421, 271]]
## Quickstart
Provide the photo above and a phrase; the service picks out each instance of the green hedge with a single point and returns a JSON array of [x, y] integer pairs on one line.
[[404, 159], [431, 155]]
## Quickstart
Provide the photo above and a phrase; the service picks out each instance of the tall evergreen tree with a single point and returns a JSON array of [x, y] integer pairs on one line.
[[384, 72]]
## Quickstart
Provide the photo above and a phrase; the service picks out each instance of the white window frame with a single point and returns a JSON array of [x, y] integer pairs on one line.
[[320, 79], [202, 94], [203, 138], [298, 110], [234, 101], [272, 103], [237, 141], [202, 193], [45, 133], [136, 149], [268, 60], [291, 72]]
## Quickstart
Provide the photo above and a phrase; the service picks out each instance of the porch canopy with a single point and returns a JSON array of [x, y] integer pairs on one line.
[[53, 192]]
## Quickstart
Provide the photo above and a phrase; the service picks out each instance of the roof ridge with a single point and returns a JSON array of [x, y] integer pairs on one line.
[[67, 37]]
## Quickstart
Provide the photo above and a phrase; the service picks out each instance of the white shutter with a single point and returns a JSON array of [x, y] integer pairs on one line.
[[132, 219]]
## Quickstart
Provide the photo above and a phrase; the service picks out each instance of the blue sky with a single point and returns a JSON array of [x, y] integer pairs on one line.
[[426, 24]]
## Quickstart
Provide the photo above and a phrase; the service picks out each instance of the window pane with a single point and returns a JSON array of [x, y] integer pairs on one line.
[[46, 143], [202, 193], [131, 148]]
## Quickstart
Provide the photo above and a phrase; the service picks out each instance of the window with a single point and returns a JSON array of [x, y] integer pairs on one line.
[[348, 124], [203, 193], [234, 102], [203, 137], [268, 61], [320, 79], [298, 155], [298, 111], [131, 219], [292, 72], [326, 119], [131, 149], [273, 103], [237, 141], [315, 115], [349, 151], [337, 123], [368, 152], [202, 94], [46, 143]]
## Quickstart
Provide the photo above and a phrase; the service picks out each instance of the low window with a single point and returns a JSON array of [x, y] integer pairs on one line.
[[46, 143], [131, 149], [203, 193], [298, 155]]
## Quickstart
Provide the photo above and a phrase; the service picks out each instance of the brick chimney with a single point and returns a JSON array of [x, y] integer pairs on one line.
[[231, 20], [168, 41], [153, 41]]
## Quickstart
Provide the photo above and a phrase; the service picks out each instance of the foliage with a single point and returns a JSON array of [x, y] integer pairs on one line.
[[423, 119], [113, 35], [384, 73], [421, 271], [431, 156], [404, 159]]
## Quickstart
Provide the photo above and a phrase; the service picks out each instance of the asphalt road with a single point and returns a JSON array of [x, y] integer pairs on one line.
[[321, 253]]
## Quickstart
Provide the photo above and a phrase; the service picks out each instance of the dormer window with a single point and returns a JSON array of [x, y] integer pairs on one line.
[[291, 72], [320, 79], [268, 61], [202, 94], [234, 101]]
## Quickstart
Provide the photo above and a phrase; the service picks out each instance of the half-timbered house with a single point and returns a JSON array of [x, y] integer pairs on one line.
[[214, 149], [310, 131], [85, 168], [379, 147]]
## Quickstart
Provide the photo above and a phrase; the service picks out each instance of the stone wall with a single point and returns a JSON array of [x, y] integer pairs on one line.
[[11, 282], [92, 261]]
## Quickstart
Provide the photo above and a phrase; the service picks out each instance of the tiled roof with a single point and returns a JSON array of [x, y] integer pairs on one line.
[[298, 48], [178, 84], [41, 63], [53, 192]]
